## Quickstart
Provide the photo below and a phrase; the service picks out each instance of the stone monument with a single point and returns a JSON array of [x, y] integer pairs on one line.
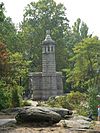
[[47, 83]]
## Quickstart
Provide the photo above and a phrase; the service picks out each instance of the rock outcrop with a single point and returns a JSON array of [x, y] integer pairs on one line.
[[77, 122], [63, 112], [46, 116], [37, 115]]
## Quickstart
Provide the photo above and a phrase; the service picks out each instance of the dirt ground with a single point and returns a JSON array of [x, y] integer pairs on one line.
[[43, 129], [27, 129], [3, 116]]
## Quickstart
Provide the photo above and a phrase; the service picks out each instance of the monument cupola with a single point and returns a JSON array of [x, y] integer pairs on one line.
[[48, 44]]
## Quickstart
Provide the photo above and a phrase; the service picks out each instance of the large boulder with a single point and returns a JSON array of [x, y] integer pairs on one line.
[[64, 113], [37, 115]]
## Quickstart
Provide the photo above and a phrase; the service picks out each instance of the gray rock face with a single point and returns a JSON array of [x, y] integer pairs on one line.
[[37, 115], [63, 112], [81, 124], [77, 122], [7, 122]]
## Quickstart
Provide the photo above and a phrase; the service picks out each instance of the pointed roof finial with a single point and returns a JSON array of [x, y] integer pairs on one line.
[[48, 39], [47, 32]]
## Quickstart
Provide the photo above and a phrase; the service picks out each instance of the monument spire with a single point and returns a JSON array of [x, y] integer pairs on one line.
[[48, 37], [47, 32]]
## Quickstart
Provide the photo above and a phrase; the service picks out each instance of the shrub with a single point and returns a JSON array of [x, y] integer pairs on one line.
[[25, 103], [16, 97], [76, 98], [3, 96], [73, 100], [60, 101], [92, 100], [79, 102]]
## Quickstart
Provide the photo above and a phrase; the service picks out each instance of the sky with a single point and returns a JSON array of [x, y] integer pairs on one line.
[[87, 10]]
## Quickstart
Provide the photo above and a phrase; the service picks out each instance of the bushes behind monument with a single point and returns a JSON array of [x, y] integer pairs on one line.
[[73, 100]]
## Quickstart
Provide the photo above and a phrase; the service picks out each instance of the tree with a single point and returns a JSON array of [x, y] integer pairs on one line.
[[76, 34], [79, 31], [8, 32], [86, 71], [4, 55], [13, 65], [40, 16], [18, 66], [2, 16], [11, 89], [12, 68]]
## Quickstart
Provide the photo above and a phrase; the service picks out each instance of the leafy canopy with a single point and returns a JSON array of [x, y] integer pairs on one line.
[[86, 70]]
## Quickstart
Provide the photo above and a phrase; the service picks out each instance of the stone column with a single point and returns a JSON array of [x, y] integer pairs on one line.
[[49, 83]]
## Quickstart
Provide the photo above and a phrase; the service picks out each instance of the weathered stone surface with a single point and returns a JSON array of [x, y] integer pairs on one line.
[[63, 112], [80, 117], [77, 122], [47, 83], [37, 115], [7, 122]]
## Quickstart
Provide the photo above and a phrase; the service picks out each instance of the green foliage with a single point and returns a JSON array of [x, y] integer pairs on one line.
[[79, 102], [16, 97], [3, 60], [73, 100], [80, 29], [76, 97], [92, 100], [78, 32], [25, 103], [60, 101], [3, 96], [10, 96], [18, 66], [39, 17], [2, 16], [85, 71], [8, 32], [75, 49]]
